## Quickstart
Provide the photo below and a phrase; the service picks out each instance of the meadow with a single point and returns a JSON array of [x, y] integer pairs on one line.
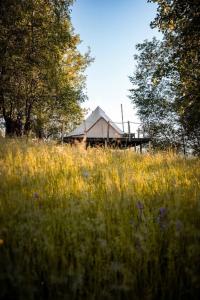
[[97, 224]]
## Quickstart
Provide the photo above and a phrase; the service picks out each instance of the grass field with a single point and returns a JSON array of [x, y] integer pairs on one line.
[[98, 224]]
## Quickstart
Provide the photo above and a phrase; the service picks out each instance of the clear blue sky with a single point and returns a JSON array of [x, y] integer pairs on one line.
[[112, 28]]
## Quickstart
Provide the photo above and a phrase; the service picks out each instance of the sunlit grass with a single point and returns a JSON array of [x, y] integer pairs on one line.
[[97, 224]]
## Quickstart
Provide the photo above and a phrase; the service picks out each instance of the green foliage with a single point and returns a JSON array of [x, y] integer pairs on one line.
[[97, 224], [40, 66], [179, 21], [153, 93]]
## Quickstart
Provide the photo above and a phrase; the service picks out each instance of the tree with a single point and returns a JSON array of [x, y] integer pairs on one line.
[[179, 22], [153, 93], [36, 41]]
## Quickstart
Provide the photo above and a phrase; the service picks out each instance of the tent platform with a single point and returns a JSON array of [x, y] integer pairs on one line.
[[122, 142]]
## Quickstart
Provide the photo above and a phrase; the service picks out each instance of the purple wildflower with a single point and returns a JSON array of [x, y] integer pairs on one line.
[[162, 212], [162, 218], [139, 206], [36, 196]]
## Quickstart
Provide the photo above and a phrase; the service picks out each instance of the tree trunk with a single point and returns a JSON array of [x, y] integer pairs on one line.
[[19, 126], [13, 127], [27, 127], [10, 127]]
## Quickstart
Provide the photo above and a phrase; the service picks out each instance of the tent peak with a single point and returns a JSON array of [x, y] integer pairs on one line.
[[98, 108]]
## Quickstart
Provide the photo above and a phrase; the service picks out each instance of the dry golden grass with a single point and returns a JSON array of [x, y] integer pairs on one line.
[[97, 224]]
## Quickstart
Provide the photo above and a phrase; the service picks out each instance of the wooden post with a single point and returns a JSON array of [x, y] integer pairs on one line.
[[122, 117], [129, 132], [138, 133], [141, 148], [108, 129]]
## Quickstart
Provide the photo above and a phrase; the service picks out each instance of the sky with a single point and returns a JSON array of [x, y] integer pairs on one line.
[[112, 28]]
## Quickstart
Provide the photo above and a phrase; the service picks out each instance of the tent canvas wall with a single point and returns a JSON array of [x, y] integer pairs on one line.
[[96, 126]]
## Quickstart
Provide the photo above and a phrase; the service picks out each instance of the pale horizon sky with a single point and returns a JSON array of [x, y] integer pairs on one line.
[[112, 28]]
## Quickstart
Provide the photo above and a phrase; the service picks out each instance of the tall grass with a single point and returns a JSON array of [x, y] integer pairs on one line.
[[97, 224]]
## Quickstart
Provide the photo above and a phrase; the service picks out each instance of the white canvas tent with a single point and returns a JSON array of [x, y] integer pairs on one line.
[[97, 125]]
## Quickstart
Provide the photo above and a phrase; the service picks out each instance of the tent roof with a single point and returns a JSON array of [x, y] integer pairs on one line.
[[97, 114]]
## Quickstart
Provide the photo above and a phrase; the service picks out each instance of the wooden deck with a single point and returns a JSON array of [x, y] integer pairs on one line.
[[126, 141]]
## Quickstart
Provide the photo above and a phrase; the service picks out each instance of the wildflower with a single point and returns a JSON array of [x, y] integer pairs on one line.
[[162, 212], [85, 174], [139, 206], [36, 196], [162, 218], [1, 242]]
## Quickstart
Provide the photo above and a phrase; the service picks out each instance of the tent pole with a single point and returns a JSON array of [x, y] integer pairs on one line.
[[129, 132]]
